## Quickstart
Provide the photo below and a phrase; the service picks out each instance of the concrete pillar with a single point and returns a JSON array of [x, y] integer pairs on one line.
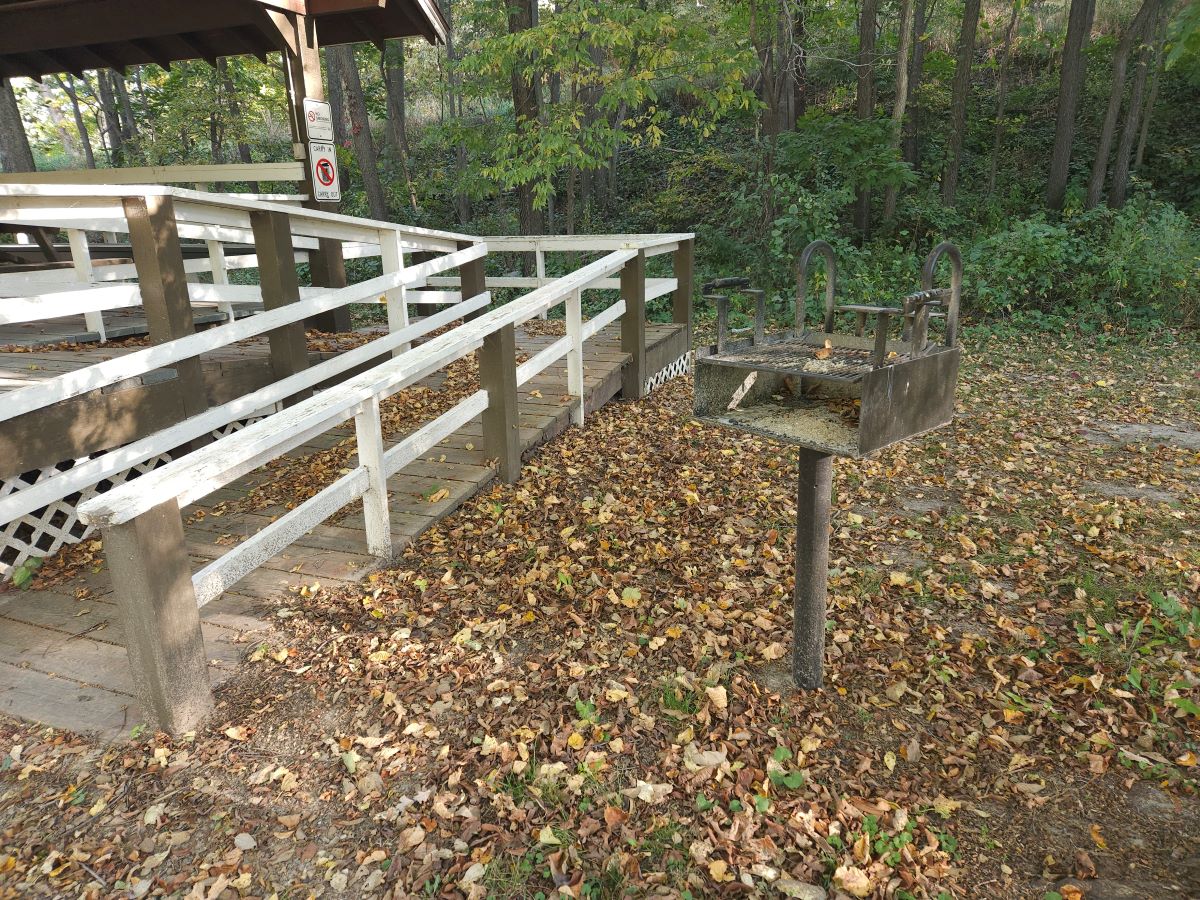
[[148, 561], [813, 499]]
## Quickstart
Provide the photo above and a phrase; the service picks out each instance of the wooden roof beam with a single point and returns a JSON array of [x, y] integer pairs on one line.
[[152, 50], [104, 53], [199, 46]]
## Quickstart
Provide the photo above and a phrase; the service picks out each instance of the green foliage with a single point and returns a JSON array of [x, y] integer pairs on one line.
[[1136, 262]]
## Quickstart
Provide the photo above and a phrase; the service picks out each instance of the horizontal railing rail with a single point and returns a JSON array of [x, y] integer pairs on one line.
[[81, 381], [200, 473]]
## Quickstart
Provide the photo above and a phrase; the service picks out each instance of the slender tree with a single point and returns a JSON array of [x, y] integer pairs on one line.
[[85, 138], [1002, 94], [525, 89], [865, 100], [1070, 85], [112, 123], [1133, 116], [958, 99], [1129, 39], [344, 66], [15, 155], [912, 125], [1148, 112], [903, 46]]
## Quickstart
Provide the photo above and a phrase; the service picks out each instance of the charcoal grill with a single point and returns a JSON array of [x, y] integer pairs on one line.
[[832, 394]]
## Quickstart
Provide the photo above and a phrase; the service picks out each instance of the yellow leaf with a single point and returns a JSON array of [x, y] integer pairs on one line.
[[1098, 837], [1188, 759], [718, 870], [438, 495], [889, 760], [575, 741], [237, 732], [547, 836]]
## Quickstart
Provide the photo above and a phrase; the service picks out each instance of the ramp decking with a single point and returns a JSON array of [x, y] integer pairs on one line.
[[62, 661]]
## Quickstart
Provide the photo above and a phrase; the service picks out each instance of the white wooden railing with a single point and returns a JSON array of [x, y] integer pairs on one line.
[[217, 219]]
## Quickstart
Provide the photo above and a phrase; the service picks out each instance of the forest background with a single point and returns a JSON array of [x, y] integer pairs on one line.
[[1057, 142]]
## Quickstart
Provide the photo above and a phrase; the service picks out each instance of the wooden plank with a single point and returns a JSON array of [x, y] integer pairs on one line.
[[211, 174], [64, 704]]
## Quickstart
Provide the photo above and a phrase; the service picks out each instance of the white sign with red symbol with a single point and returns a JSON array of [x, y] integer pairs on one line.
[[323, 159], [318, 120]]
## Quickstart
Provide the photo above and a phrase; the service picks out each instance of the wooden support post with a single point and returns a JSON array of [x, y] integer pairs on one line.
[[813, 499], [163, 283], [684, 264], [472, 279], [280, 286], [575, 355], [149, 564], [633, 327], [501, 419], [220, 273], [391, 256], [81, 258], [326, 264], [375, 501]]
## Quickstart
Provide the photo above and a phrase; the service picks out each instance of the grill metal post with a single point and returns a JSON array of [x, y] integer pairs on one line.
[[813, 498]]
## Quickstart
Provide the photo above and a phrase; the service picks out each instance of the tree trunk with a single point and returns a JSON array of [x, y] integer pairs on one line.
[[958, 99], [1070, 86], [392, 68], [1001, 96], [912, 127], [525, 110], [85, 138], [1116, 93], [1148, 112], [337, 101], [112, 124], [235, 117], [903, 45], [342, 61], [865, 99], [15, 155], [125, 113], [1133, 116]]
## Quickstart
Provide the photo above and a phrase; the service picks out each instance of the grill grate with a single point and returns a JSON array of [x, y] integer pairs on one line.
[[800, 358]]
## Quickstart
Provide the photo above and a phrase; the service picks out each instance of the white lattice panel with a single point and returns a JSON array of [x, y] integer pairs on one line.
[[681, 366], [44, 532]]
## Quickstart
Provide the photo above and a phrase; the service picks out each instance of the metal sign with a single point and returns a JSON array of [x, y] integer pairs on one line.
[[318, 120], [323, 160]]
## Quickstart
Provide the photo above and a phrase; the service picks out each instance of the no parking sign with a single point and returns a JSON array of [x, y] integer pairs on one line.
[[323, 159]]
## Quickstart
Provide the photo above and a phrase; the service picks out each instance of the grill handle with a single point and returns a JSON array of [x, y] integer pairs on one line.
[[956, 278], [806, 255]]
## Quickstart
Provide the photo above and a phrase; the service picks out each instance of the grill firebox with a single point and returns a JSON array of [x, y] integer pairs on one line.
[[841, 394], [832, 394]]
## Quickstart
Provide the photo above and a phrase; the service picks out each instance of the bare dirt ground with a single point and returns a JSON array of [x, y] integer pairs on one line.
[[579, 683]]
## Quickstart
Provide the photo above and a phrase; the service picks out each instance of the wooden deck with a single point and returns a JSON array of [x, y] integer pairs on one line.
[[62, 662], [118, 323]]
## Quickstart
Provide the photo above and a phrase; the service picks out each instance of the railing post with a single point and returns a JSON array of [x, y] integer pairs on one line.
[[148, 560], [280, 286], [472, 279], [220, 274], [575, 355], [163, 285], [501, 419], [633, 327], [327, 268], [369, 434], [684, 264], [391, 256], [539, 268], [81, 258]]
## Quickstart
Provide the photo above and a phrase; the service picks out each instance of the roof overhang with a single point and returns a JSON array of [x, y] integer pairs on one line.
[[44, 37]]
